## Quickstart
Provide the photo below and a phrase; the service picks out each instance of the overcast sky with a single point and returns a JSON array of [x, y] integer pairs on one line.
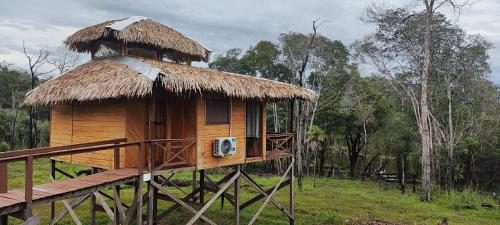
[[219, 25]]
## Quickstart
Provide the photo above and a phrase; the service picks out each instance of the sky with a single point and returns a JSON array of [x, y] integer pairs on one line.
[[219, 25]]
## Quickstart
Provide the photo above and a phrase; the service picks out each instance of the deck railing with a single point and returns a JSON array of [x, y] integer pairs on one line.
[[279, 145], [168, 153], [171, 152], [29, 155]]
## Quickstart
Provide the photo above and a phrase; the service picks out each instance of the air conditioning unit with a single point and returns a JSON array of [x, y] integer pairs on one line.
[[224, 146]]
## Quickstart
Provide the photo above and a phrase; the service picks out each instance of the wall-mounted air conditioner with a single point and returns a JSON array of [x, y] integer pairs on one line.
[[224, 146]]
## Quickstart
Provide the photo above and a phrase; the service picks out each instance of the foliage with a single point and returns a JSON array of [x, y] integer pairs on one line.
[[4, 146]]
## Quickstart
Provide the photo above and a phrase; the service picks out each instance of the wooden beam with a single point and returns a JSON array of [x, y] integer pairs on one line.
[[33, 220], [291, 195], [271, 195], [237, 197], [180, 202], [265, 193], [104, 205], [214, 198], [53, 176]]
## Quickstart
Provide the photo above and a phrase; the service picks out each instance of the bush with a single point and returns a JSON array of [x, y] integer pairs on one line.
[[4, 146], [467, 199]]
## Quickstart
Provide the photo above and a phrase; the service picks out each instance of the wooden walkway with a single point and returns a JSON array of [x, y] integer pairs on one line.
[[14, 200]]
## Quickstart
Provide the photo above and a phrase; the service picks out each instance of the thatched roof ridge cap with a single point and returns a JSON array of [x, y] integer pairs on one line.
[[124, 23]]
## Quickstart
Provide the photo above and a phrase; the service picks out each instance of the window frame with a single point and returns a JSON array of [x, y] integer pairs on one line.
[[229, 111]]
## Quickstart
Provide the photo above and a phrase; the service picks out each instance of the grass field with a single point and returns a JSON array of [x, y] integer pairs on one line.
[[333, 201]]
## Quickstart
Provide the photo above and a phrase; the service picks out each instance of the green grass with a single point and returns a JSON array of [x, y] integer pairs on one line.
[[333, 201]]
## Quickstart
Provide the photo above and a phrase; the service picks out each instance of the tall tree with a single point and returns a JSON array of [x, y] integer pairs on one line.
[[402, 45], [37, 62]]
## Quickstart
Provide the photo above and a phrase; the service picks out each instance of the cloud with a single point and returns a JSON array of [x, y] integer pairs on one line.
[[218, 25]]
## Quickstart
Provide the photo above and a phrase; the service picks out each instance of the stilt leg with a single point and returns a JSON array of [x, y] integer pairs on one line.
[[4, 220], [292, 220], [237, 197], [193, 184], [155, 204], [150, 203], [202, 187], [92, 209], [139, 200], [92, 204], [53, 175]]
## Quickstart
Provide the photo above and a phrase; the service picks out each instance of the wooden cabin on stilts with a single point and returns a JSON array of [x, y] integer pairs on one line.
[[137, 113]]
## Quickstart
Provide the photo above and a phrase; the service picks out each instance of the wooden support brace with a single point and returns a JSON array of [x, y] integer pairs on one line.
[[214, 198], [271, 195], [34, 220], [180, 202], [264, 193]]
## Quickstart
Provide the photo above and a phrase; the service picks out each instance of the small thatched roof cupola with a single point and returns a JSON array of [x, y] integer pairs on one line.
[[138, 36]]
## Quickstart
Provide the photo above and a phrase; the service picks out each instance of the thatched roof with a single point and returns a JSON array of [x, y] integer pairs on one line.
[[138, 32], [122, 76]]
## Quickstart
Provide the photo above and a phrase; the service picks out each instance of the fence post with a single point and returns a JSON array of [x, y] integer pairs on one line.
[[3, 187]]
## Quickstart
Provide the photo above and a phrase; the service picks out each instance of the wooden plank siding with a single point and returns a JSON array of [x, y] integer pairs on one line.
[[207, 132], [135, 128], [88, 122], [95, 121]]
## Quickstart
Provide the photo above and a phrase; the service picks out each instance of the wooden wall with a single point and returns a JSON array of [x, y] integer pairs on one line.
[[88, 122], [136, 128], [207, 132], [181, 121]]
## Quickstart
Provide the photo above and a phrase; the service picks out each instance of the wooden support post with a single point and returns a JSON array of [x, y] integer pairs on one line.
[[28, 187], [202, 187], [142, 150], [291, 210], [3, 188], [292, 172], [53, 175], [139, 200], [92, 205], [116, 189], [237, 197], [193, 184], [151, 188]]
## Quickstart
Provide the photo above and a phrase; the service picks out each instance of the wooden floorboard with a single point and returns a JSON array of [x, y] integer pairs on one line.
[[14, 199]]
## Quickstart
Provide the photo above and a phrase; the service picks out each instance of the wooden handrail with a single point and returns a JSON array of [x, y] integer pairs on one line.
[[69, 151], [28, 155], [43, 150]]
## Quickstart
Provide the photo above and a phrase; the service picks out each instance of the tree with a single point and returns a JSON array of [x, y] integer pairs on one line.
[[63, 59], [36, 63], [404, 41]]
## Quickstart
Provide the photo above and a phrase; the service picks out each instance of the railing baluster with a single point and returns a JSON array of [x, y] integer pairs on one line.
[[4, 175], [117, 157], [28, 186]]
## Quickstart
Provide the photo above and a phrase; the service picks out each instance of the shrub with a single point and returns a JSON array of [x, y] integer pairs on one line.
[[467, 199], [4, 146]]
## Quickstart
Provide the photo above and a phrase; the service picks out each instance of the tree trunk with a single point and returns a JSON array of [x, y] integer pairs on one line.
[[450, 170], [31, 114], [424, 108]]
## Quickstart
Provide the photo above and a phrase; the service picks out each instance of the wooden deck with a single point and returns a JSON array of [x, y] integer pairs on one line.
[[14, 200]]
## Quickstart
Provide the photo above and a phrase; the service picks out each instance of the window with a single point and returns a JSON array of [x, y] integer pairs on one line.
[[217, 111], [253, 119]]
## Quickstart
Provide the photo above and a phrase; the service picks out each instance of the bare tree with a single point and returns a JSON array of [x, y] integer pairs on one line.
[[63, 59], [37, 63], [299, 63]]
